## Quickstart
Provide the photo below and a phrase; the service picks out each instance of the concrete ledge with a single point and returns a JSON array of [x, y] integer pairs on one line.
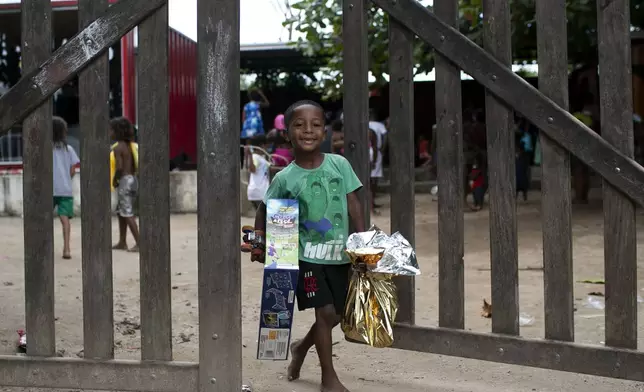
[[183, 193]]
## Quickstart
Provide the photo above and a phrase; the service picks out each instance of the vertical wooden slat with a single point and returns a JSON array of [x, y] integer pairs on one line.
[[356, 95], [502, 181], [401, 150], [154, 199], [556, 216], [620, 246], [96, 220], [218, 114], [38, 188], [449, 147]]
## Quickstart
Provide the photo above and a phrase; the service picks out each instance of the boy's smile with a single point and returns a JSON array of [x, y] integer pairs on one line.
[[307, 128]]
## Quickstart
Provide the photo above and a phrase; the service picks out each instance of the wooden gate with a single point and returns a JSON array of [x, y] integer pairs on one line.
[[219, 367], [561, 135], [219, 274]]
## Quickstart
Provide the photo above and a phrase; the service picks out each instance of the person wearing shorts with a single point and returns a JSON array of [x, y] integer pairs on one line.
[[65, 161], [325, 187], [322, 284], [126, 163]]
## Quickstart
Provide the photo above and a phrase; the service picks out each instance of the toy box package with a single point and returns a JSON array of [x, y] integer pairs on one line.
[[280, 279]]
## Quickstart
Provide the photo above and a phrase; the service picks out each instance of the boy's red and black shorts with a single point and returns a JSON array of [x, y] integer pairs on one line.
[[322, 284]]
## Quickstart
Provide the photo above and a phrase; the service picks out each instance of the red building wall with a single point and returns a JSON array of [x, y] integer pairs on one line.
[[182, 89]]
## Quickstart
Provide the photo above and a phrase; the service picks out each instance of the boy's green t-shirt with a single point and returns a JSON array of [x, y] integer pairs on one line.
[[322, 196]]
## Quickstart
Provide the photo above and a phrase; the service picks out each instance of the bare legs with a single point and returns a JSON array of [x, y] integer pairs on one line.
[[124, 223], [319, 335], [64, 221]]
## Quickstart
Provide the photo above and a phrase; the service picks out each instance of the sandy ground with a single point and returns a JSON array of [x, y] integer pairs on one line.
[[361, 368]]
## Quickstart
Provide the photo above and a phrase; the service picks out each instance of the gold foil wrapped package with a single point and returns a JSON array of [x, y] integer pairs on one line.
[[372, 302], [370, 310]]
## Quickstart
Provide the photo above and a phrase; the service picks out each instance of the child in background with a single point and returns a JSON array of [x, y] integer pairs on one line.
[[377, 172], [258, 167], [65, 162], [325, 186], [337, 137], [278, 129], [281, 147], [252, 123], [124, 164], [478, 183], [283, 154], [424, 156]]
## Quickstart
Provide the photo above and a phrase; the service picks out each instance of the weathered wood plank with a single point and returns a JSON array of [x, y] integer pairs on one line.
[[546, 354], [401, 150], [154, 197], [356, 96], [220, 356], [38, 188], [48, 75], [449, 148], [556, 216], [620, 242], [499, 79], [504, 249], [86, 374], [96, 221]]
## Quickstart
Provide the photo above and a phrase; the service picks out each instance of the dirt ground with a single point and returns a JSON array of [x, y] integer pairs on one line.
[[361, 368]]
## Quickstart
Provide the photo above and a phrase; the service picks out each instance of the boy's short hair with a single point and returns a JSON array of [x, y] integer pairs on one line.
[[288, 115], [123, 129], [258, 141]]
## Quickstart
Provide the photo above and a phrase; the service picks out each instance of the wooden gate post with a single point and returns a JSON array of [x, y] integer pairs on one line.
[[38, 188], [96, 219], [451, 195], [556, 215], [356, 96], [504, 249], [620, 237], [154, 206], [401, 110], [218, 114]]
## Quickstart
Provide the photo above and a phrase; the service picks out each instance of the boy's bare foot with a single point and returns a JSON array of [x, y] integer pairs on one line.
[[134, 249], [333, 386], [297, 359], [120, 246]]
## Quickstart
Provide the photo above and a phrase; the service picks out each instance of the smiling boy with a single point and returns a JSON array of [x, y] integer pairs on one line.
[[317, 180]]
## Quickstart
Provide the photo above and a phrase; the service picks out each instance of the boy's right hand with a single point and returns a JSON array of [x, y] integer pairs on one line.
[[254, 243]]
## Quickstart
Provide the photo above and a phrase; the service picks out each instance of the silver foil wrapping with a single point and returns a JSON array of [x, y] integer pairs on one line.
[[399, 257]]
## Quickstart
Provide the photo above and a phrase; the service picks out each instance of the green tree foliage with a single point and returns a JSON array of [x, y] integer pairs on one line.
[[319, 25]]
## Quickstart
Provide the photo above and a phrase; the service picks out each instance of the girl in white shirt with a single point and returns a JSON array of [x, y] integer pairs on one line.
[[258, 166]]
